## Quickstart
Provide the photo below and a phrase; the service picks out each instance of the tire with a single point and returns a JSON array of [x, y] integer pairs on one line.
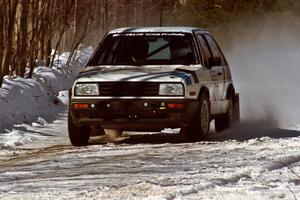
[[236, 109], [224, 121], [199, 128], [78, 135]]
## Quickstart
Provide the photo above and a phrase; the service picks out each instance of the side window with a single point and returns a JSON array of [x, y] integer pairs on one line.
[[215, 50], [205, 50]]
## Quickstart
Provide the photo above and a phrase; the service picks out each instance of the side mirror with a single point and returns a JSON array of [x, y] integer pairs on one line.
[[214, 61]]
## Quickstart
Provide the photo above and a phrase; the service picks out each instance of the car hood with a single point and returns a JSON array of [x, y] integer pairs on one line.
[[153, 73]]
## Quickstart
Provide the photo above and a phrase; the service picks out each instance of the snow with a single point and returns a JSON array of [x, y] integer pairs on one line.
[[262, 165], [144, 166], [36, 101]]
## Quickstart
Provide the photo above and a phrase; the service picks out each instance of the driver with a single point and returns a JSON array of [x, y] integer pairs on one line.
[[139, 48], [180, 50]]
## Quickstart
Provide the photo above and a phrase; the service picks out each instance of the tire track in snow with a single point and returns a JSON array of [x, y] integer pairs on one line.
[[193, 189], [283, 162], [29, 155]]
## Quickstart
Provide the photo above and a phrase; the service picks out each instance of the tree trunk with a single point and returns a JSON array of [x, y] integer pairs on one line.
[[44, 6], [22, 50], [33, 45], [63, 30], [48, 51], [57, 46], [12, 8], [105, 20], [80, 34], [49, 21], [2, 5]]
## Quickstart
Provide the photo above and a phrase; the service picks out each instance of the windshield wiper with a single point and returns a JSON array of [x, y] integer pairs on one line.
[[141, 62]]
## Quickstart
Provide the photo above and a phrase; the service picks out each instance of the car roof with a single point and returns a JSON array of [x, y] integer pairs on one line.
[[157, 29]]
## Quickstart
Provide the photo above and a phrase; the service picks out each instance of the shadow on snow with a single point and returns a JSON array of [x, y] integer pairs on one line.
[[241, 132]]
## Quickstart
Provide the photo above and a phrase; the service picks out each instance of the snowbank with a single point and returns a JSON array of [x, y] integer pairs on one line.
[[27, 100]]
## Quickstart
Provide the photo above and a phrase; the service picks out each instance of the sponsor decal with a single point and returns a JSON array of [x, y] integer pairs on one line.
[[149, 34], [184, 76], [193, 73]]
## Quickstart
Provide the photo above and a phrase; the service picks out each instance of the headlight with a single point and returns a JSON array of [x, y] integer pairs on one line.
[[87, 89], [171, 89]]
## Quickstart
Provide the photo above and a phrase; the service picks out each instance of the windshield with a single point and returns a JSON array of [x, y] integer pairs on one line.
[[145, 49]]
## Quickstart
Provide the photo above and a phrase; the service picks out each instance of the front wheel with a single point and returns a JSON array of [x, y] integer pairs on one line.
[[199, 128], [78, 135]]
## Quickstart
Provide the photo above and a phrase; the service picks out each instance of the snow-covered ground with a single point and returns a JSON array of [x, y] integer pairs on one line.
[[262, 165], [28, 103]]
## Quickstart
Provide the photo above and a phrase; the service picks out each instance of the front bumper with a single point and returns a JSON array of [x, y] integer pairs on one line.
[[134, 114]]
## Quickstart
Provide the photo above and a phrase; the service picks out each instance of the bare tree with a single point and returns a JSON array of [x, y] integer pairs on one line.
[[23, 38], [82, 23], [34, 14], [11, 13], [62, 28], [1, 35]]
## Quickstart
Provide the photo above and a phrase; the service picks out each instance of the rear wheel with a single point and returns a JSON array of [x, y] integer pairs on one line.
[[224, 121], [199, 128], [78, 135]]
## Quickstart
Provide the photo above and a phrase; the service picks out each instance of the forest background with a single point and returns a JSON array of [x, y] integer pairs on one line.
[[32, 30]]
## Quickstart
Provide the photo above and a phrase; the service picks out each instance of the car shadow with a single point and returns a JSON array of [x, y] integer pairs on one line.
[[141, 138], [156, 138], [248, 130], [240, 132]]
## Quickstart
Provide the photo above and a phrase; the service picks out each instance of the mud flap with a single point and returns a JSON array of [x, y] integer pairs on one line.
[[236, 108]]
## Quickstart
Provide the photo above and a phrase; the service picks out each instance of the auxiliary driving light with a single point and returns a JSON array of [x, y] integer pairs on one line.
[[81, 105], [175, 105]]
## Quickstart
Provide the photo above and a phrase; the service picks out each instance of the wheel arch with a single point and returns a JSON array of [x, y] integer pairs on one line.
[[203, 90], [230, 91]]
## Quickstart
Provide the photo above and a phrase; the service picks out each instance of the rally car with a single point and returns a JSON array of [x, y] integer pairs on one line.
[[151, 78]]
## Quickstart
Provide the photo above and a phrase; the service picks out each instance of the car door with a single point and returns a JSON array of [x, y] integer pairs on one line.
[[218, 68], [206, 55]]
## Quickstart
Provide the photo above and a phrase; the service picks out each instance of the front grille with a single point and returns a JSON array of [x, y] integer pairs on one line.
[[128, 89]]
